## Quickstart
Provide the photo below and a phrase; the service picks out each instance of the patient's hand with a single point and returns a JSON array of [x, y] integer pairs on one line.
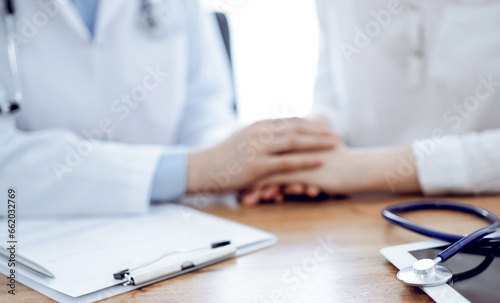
[[257, 151], [348, 171], [276, 193]]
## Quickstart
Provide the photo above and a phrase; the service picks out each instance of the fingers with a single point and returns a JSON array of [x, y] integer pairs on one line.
[[270, 192], [298, 189], [290, 162], [317, 118], [251, 197], [294, 189], [292, 134], [312, 191], [298, 125], [300, 142], [273, 193], [283, 178], [290, 125]]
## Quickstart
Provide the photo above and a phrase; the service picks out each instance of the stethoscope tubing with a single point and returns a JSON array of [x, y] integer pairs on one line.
[[14, 103], [477, 237], [9, 7]]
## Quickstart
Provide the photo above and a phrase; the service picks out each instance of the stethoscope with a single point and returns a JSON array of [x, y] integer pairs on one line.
[[154, 17], [427, 272], [15, 101]]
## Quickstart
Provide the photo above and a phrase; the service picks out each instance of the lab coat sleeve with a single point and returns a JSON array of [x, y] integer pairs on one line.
[[208, 114], [466, 164], [57, 173], [326, 94]]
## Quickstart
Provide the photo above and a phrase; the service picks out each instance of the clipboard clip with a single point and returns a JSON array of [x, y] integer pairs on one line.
[[217, 251]]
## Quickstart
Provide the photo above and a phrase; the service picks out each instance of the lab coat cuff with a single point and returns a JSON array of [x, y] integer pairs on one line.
[[170, 180], [441, 166]]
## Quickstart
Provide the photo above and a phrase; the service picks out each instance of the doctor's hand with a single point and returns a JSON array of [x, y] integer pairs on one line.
[[276, 193], [349, 171], [258, 151]]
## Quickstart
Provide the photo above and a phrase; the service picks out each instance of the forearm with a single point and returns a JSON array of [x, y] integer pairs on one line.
[[389, 170]]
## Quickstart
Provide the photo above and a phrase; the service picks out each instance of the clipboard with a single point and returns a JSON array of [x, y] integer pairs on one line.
[[87, 255]]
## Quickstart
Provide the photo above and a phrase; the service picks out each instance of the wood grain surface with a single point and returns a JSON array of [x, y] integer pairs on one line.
[[327, 252]]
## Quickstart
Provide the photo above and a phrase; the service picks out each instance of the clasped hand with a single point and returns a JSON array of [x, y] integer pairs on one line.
[[296, 156], [256, 152]]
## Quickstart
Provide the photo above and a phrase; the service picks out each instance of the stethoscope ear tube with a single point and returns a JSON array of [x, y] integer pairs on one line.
[[477, 237]]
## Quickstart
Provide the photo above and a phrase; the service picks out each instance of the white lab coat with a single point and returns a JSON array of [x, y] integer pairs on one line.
[[138, 93], [393, 72]]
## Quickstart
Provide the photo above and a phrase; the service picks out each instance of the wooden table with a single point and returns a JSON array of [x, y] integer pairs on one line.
[[299, 268]]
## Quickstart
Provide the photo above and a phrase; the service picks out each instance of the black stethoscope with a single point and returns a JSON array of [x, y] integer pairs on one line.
[[154, 18], [427, 272], [15, 101]]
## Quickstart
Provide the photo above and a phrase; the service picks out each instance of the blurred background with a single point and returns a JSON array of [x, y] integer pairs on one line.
[[275, 51]]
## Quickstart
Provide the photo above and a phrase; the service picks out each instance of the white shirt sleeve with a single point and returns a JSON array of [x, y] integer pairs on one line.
[[208, 114], [467, 164], [57, 173]]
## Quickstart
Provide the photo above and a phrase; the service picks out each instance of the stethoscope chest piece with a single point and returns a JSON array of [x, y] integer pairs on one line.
[[425, 272], [160, 18]]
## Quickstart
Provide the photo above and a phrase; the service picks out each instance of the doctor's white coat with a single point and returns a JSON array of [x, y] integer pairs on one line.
[[100, 110]]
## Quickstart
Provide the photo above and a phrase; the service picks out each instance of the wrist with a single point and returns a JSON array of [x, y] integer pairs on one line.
[[197, 170], [390, 170]]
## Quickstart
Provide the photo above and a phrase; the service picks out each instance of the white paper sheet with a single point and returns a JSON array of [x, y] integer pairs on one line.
[[83, 253]]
